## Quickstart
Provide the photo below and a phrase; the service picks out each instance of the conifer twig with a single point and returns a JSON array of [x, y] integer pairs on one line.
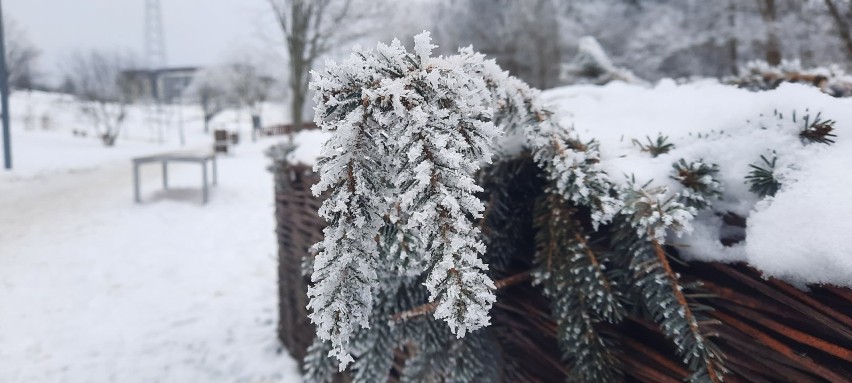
[[429, 307], [593, 260], [681, 299]]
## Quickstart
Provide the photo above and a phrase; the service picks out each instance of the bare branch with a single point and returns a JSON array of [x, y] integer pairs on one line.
[[104, 84], [21, 57], [429, 307], [311, 28], [843, 25]]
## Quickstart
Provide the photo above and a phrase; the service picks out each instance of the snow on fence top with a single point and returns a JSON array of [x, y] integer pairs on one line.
[[799, 235], [308, 146], [802, 233]]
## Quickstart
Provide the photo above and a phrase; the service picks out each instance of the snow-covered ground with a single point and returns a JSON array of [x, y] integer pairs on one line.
[[48, 128], [95, 288]]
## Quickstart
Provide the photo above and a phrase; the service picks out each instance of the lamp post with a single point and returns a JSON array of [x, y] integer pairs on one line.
[[4, 98]]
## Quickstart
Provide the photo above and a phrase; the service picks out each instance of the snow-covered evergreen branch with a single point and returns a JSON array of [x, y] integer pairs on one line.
[[699, 181], [569, 164], [447, 136], [647, 215], [409, 130], [359, 101], [581, 289]]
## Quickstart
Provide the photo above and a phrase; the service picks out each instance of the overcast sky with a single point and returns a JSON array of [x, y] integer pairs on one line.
[[198, 32]]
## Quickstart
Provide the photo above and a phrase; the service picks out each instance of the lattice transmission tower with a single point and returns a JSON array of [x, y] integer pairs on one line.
[[155, 59], [155, 40]]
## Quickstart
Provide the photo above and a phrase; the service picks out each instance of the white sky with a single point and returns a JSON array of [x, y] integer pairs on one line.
[[198, 32]]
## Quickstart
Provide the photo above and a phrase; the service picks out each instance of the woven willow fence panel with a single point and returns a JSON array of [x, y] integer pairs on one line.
[[770, 331], [298, 227]]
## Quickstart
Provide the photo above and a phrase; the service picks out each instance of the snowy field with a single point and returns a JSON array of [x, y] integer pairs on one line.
[[95, 288]]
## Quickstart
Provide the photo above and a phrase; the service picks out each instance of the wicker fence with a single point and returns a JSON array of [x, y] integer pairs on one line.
[[285, 129], [770, 331], [298, 228]]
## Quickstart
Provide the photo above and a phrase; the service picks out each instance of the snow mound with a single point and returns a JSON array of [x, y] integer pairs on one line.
[[308, 146], [592, 65], [801, 234]]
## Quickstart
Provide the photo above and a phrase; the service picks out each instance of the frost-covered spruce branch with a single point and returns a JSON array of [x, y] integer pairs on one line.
[[581, 289], [762, 178], [567, 161], [640, 234], [354, 174], [440, 358], [415, 126], [421, 310], [373, 348], [700, 183], [569, 164], [575, 277], [447, 135], [571, 172], [423, 126]]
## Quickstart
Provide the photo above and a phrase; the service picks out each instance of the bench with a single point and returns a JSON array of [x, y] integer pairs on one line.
[[199, 158]]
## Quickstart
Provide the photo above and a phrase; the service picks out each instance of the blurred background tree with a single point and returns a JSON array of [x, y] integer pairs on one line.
[[99, 80], [22, 57], [652, 38]]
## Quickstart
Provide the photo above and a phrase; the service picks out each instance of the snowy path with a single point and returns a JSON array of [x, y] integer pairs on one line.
[[94, 288]]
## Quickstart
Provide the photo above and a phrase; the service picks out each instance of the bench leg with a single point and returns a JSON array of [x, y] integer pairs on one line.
[[215, 171], [165, 175], [204, 181], [136, 183]]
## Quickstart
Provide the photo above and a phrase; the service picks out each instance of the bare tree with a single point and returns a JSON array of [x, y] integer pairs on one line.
[[523, 36], [21, 57], [733, 42], [311, 28], [652, 38], [209, 90], [251, 88], [769, 13], [843, 21], [98, 81]]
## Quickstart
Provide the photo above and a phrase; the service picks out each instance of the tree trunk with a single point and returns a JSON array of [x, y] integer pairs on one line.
[[298, 84], [732, 38], [298, 105], [108, 139], [843, 26], [773, 49], [297, 44], [768, 12], [255, 125]]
